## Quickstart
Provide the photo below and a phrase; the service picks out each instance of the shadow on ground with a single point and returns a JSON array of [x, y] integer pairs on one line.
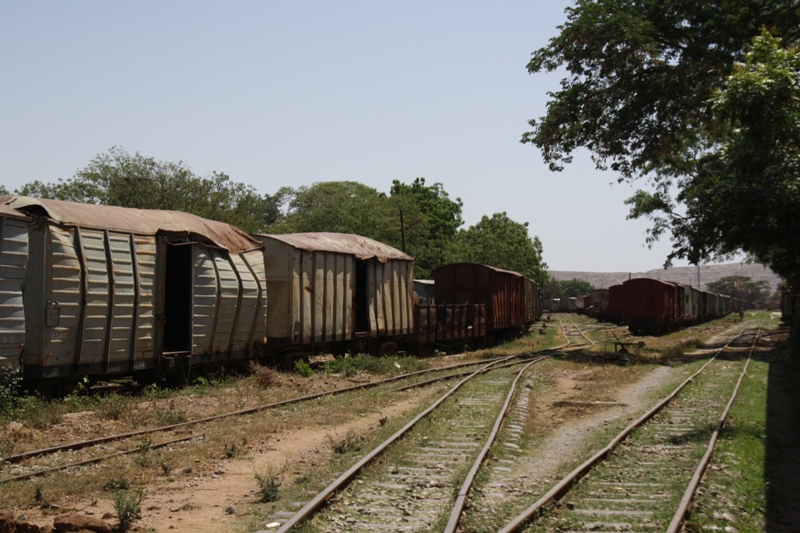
[[782, 468]]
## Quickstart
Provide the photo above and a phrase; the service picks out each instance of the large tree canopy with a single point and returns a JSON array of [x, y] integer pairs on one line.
[[667, 90], [501, 242], [119, 178], [641, 77], [742, 287]]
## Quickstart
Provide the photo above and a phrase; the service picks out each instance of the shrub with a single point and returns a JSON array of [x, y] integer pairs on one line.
[[268, 485], [349, 443], [128, 505], [265, 376], [303, 368], [10, 389]]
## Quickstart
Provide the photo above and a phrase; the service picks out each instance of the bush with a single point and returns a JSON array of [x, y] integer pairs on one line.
[[128, 505], [10, 389], [303, 368], [349, 443], [349, 366], [265, 376], [268, 485]]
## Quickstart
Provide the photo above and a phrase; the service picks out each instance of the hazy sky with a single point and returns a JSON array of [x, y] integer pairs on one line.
[[287, 92]]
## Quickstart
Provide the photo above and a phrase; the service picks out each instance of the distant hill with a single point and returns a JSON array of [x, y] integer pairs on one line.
[[685, 275]]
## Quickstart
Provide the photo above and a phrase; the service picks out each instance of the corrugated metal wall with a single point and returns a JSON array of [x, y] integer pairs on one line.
[[391, 288], [64, 295], [13, 261]]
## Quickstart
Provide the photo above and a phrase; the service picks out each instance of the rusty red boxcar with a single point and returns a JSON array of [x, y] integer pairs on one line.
[[502, 291], [649, 305]]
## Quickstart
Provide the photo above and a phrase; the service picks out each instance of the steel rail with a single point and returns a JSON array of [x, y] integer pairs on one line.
[[463, 493], [343, 479], [562, 486], [680, 513], [582, 333], [98, 459], [460, 374], [121, 436]]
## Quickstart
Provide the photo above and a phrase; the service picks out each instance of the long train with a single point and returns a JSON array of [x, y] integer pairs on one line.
[[97, 292], [654, 307]]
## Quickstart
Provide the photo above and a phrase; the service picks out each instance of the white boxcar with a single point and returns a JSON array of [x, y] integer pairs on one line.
[[111, 291], [336, 291]]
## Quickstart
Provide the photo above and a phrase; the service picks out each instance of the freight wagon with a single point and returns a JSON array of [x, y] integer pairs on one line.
[[110, 291], [336, 292]]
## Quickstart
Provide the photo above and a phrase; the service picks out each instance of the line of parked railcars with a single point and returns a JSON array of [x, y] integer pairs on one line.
[[651, 306], [100, 292]]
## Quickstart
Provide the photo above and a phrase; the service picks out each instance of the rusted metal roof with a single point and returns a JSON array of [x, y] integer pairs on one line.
[[13, 213], [363, 248], [139, 221]]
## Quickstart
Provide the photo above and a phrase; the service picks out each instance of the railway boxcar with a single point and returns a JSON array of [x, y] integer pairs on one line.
[[448, 326], [615, 303], [649, 305], [788, 305], [533, 309], [501, 291], [599, 307], [336, 291], [112, 291], [13, 262]]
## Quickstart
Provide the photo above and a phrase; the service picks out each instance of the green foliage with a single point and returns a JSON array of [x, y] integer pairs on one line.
[[3, 191], [10, 390], [742, 287], [121, 179], [117, 484], [268, 485], [128, 505], [432, 220], [572, 288], [350, 366], [641, 76], [352, 442], [501, 242], [336, 206], [303, 368]]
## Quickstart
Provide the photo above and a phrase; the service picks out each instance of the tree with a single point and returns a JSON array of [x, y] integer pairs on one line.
[[3, 191], [655, 90], [501, 242], [433, 220], [338, 206], [742, 287], [121, 179], [572, 288], [642, 73]]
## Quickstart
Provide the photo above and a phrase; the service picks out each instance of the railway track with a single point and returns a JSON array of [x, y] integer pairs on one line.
[[646, 477], [413, 486], [47, 460]]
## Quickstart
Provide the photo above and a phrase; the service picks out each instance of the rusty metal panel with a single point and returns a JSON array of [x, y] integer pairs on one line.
[[362, 248], [64, 296], [96, 296], [205, 289], [144, 248], [227, 303], [251, 309], [13, 262]]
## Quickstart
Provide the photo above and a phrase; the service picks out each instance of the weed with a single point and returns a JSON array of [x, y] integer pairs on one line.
[[120, 483], [112, 407], [265, 376], [349, 443], [351, 365], [230, 451], [10, 389], [268, 485], [166, 469], [168, 417], [38, 497], [128, 505], [303, 368]]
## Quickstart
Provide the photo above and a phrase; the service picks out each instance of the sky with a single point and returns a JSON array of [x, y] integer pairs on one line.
[[294, 92]]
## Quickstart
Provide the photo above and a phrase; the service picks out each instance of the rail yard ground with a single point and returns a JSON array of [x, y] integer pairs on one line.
[[220, 480]]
